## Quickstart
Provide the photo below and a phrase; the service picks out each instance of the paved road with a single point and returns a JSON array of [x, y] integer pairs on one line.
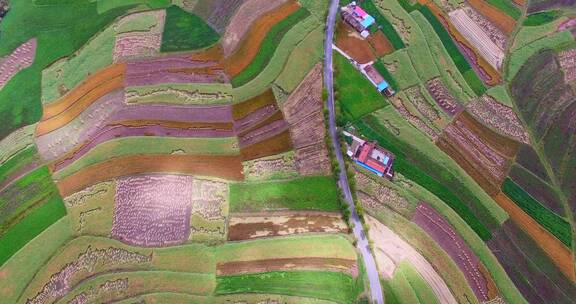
[[363, 246]]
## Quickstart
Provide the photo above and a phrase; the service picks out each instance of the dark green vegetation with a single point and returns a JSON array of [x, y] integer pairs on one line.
[[542, 18], [379, 66], [268, 47], [537, 188], [333, 286], [548, 105], [27, 207], [507, 7], [61, 28], [355, 94], [419, 168], [383, 24], [558, 226], [459, 60], [185, 31], [314, 192]]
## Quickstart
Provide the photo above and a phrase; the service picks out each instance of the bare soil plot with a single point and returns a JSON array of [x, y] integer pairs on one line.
[[269, 224], [348, 40], [481, 152], [558, 253], [390, 250], [442, 96], [252, 41], [380, 44], [241, 22], [311, 263], [270, 146], [303, 111], [242, 109], [226, 167]]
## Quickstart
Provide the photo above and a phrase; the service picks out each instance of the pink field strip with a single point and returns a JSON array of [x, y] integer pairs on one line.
[[443, 233], [153, 210], [21, 58]]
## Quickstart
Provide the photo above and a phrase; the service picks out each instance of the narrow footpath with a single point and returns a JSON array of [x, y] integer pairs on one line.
[[363, 246]]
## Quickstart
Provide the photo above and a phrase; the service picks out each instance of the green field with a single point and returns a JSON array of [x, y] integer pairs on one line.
[[355, 94], [151, 145], [107, 5], [407, 286], [501, 95], [555, 224], [542, 18], [507, 7], [314, 193], [333, 286], [185, 31], [404, 72], [18, 162], [268, 47]]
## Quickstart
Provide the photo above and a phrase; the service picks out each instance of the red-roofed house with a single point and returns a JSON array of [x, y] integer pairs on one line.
[[372, 157]]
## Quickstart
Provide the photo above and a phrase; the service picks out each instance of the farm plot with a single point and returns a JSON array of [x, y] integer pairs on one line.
[[18, 166], [380, 44], [153, 210], [443, 98], [388, 29], [505, 22], [407, 286], [428, 112], [268, 47], [443, 233], [498, 117], [254, 38], [183, 94], [21, 58], [540, 237], [226, 167], [542, 18], [185, 31], [478, 38], [303, 111], [117, 286], [306, 193], [567, 61], [173, 69], [91, 210], [279, 143], [326, 264], [217, 13], [333, 286], [528, 266], [479, 151], [272, 167], [244, 226], [356, 95], [241, 22], [537, 188], [541, 5], [209, 210], [412, 115], [348, 40], [391, 250], [374, 194], [139, 44]]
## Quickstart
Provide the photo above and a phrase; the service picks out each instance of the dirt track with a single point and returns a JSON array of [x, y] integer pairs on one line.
[[558, 253], [391, 250], [226, 167], [332, 264]]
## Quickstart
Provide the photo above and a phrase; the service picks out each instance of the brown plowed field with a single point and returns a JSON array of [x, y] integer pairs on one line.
[[250, 45], [490, 285], [241, 21], [558, 253], [177, 124], [519, 2], [380, 44], [270, 119], [91, 83], [348, 40], [269, 224], [244, 108], [499, 18], [214, 53], [503, 145], [494, 77], [226, 167], [331, 264], [273, 145], [61, 119]]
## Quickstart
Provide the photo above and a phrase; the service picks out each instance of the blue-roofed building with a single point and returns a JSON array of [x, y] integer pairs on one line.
[[383, 85], [368, 21]]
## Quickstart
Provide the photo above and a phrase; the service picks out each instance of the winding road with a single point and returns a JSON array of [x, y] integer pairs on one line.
[[363, 246]]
